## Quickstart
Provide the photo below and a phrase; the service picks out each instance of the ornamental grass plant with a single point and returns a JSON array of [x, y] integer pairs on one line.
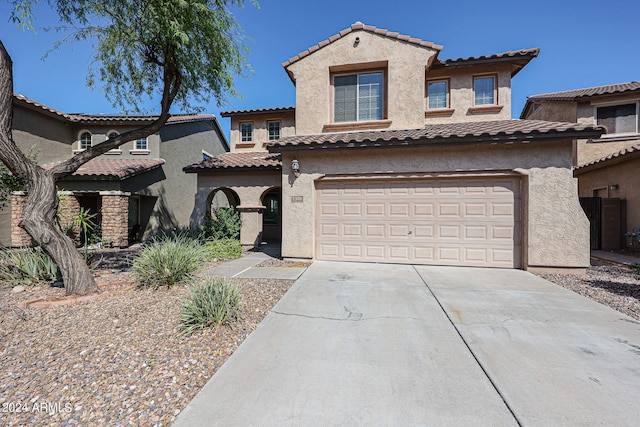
[[213, 301]]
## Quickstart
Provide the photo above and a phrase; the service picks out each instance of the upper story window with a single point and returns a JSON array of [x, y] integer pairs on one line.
[[112, 134], [484, 89], [438, 94], [246, 132], [141, 144], [618, 119], [358, 97], [273, 127], [85, 141]]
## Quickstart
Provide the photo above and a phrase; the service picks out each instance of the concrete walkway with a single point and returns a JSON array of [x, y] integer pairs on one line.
[[245, 267], [615, 257], [374, 344]]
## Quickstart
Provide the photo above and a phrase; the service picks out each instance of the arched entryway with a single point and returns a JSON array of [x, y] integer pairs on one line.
[[222, 197], [272, 215]]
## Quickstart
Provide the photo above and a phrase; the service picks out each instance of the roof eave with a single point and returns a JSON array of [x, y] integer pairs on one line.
[[198, 169], [442, 141], [600, 164]]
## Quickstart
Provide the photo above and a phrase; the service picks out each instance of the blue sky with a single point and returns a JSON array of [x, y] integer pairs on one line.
[[583, 43]]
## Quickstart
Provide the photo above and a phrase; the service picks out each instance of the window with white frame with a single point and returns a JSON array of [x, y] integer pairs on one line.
[[273, 127], [85, 141], [141, 144], [484, 90], [438, 94], [112, 134], [618, 119], [358, 97], [246, 132]]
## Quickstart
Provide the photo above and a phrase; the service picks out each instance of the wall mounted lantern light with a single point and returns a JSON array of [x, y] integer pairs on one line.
[[295, 167]]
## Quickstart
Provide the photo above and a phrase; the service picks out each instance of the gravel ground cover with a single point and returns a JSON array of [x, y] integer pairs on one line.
[[608, 284], [117, 360]]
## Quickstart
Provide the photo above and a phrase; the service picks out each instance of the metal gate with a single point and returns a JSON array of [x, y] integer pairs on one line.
[[592, 207]]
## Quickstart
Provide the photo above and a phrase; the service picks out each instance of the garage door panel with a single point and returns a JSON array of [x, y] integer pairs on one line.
[[375, 210], [352, 209], [471, 222], [351, 251], [423, 210], [448, 210]]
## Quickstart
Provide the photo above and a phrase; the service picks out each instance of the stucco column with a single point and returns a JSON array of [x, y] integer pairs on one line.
[[251, 231], [115, 217], [19, 237]]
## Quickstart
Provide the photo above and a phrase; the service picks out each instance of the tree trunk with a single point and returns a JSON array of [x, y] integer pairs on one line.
[[40, 222]]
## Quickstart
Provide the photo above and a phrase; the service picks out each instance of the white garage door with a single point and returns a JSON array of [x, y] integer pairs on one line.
[[470, 221]]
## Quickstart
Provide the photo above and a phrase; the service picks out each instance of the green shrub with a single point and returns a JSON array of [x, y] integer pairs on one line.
[[224, 224], [29, 266], [167, 261], [212, 301], [635, 267], [224, 248]]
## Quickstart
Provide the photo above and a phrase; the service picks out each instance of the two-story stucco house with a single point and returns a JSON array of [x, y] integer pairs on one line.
[[606, 167], [135, 190], [392, 154]]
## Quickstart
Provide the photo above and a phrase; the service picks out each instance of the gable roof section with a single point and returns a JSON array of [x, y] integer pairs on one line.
[[106, 119], [274, 110], [623, 155], [490, 132], [517, 58], [359, 26], [250, 160], [576, 94], [112, 169]]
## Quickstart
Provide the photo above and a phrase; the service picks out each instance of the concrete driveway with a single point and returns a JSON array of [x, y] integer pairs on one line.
[[378, 344]]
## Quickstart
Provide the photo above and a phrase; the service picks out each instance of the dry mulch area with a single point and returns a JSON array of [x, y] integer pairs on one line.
[[117, 360], [278, 262], [611, 285]]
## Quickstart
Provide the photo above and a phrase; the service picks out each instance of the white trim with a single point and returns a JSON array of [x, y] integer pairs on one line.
[[138, 152], [114, 151]]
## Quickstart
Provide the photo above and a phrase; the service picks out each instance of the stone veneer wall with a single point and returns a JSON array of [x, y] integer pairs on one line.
[[19, 237], [115, 219], [69, 207]]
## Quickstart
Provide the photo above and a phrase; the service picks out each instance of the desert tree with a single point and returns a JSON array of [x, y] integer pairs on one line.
[[176, 52]]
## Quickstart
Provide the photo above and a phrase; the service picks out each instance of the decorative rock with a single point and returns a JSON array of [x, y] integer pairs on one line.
[[18, 289]]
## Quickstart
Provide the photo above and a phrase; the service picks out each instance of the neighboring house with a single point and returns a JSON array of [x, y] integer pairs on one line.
[[394, 155], [136, 189], [606, 167]]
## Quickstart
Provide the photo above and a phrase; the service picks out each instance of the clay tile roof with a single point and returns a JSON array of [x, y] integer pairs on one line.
[[103, 118], [622, 155], [573, 95], [471, 133], [359, 26], [118, 169], [273, 110], [520, 57], [252, 160]]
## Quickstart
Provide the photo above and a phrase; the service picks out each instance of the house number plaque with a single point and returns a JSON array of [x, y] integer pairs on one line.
[[297, 199]]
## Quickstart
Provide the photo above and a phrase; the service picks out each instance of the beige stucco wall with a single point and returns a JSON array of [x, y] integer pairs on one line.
[[557, 111], [556, 233], [625, 176], [461, 96], [405, 76], [260, 130]]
